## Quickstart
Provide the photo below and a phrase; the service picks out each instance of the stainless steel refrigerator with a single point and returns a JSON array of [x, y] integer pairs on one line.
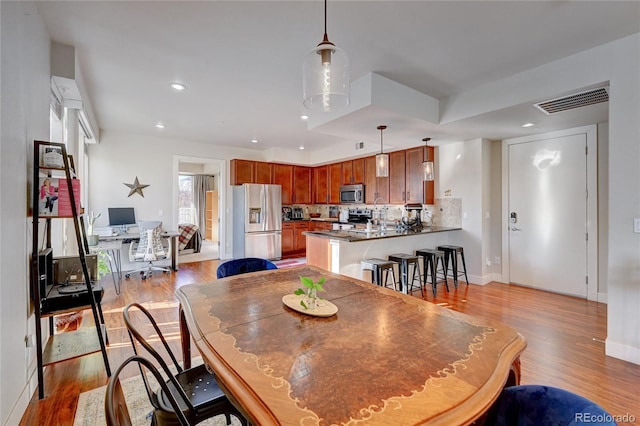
[[257, 221]]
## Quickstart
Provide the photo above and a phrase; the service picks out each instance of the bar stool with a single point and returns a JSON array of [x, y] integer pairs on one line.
[[452, 252], [430, 258], [406, 260], [377, 266]]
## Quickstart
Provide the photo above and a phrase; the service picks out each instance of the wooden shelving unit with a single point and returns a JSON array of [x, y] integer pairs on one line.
[[68, 345]]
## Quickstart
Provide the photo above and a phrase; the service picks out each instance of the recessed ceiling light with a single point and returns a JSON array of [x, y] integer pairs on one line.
[[528, 125], [178, 86], [160, 125], [304, 117], [254, 140], [301, 147]]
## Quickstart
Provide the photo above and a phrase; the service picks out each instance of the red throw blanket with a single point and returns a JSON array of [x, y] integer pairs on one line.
[[186, 233]]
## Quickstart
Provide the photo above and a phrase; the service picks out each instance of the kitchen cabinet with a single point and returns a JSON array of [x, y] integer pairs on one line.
[[248, 171], [414, 185], [397, 182], [353, 171], [375, 188], [302, 185], [335, 181], [321, 184], [294, 243], [316, 225], [242, 171], [263, 172], [283, 176], [429, 187], [288, 245]]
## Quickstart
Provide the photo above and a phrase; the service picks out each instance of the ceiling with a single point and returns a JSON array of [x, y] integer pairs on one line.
[[242, 63]]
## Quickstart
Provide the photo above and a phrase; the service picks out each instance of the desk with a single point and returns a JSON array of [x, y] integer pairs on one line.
[[385, 357], [112, 250], [171, 235]]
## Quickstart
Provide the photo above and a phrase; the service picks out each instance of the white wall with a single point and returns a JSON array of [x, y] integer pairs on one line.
[[24, 117], [617, 63], [461, 171]]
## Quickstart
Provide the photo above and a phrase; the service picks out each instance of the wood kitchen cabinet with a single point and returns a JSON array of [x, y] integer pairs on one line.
[[321, 184], [414, 185], [294, 243], [335, 181], [374, 187], [283, 176], [242, 171], [353, 171], [429, 187], [248, 171], [397, 183], [302, 185], [263, 172]]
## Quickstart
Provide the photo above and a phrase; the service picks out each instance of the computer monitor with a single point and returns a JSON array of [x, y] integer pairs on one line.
[[122, 217]]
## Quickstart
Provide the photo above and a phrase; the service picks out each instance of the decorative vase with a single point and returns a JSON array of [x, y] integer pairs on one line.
[[92, 240], [312, 298]]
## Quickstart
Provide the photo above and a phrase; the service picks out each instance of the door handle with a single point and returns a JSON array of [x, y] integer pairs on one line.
[[513, 228]]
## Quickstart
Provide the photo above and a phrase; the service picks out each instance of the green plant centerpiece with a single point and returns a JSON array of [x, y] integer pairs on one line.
[[311, 290]]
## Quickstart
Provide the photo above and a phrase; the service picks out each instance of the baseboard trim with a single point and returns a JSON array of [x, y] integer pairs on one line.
[[623, 352], [485, 279]]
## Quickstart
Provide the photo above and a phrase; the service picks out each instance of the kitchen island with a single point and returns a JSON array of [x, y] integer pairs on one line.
[[342, 251]]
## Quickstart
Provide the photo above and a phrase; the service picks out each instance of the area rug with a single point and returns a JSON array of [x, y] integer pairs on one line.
[[90, 409], [290, 263]]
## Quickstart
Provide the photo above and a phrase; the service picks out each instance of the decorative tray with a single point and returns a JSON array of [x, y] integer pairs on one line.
[[324, 308]]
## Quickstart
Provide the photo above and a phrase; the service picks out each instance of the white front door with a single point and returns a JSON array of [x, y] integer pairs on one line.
[[548, 213]]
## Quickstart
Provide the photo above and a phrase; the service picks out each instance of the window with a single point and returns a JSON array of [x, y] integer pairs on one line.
[[186, 210]]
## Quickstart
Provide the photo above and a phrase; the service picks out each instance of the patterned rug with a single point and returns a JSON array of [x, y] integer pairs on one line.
[[90, 409], [290, 263]]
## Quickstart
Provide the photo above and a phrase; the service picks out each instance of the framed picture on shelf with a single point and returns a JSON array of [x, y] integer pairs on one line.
[[51, 156], [54, 200]]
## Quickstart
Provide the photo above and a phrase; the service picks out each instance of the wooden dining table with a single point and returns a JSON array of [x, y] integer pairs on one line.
[[385, 358]]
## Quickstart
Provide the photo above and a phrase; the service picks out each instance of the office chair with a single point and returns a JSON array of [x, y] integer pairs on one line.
[[115, 405], [198, 402], [149, 249], [244, 265]]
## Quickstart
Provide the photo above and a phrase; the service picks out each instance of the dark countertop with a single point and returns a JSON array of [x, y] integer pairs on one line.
[[355, 235]]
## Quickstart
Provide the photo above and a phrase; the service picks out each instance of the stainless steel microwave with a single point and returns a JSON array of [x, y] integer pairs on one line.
[[352, 194]]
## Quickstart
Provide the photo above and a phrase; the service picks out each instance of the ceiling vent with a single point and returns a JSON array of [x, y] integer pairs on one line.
[[577, 100]]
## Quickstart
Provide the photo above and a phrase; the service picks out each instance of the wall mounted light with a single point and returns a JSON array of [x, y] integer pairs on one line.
[[325, 75], [382, 159], [427, 165]]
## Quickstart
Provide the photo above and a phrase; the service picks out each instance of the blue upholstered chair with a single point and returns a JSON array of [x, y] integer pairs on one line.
[[544, 405], [244, 265]]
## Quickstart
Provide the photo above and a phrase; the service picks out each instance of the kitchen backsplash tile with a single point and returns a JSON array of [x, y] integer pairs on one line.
[[447, 212]]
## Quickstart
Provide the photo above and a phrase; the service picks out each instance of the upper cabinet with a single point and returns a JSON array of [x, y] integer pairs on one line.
[[334, 176], [429, 187], [302, 185], [247, 171], [414, 185], [321, 184], [375, 188], [283, 176], [242, 171], [353, 171], [397, 182]]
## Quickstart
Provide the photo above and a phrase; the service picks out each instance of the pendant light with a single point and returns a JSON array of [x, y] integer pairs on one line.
[[382, 159], [325, 75], [427, 165]]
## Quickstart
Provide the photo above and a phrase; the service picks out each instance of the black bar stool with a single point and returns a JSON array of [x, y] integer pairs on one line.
[[406, 260], [430, 259], [377, 266], [451, 253]]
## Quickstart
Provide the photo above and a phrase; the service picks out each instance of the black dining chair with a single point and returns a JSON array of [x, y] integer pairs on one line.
[[200, 396], [115, 405], [243, 266]]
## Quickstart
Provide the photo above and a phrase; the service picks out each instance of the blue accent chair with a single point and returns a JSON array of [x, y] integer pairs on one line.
[[244, 265], [544, 405]]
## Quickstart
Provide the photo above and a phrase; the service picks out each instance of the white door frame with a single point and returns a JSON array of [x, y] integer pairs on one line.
[[222, 194], [592, 201]]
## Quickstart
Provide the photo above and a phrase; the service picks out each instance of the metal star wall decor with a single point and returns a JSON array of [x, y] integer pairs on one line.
[[136, 187]]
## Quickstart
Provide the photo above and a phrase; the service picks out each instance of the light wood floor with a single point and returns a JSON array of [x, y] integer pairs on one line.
[[564, 334]]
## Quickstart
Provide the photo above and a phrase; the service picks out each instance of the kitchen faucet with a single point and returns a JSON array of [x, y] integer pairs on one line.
[[383, 220]]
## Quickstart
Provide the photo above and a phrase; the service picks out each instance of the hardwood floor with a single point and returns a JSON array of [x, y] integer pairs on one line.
[[565, 337]]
